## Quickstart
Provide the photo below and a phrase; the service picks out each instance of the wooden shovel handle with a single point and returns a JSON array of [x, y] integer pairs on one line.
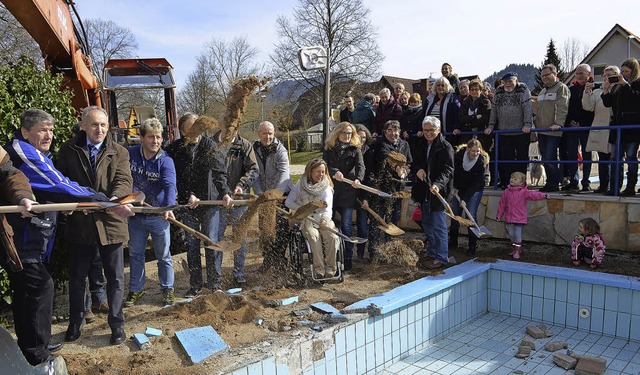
[[368, 188], [374, 214]]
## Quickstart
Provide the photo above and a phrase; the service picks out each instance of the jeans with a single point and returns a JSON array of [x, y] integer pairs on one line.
[[630, 152], [516, 148], [515, 232], [140, 226], [206, 221], [232, 215], [549, 149], [434, 225], [472, 205], [572, 141], [346, 226], [363, 229]]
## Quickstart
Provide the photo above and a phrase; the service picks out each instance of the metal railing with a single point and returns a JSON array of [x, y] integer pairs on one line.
[[617, 164]]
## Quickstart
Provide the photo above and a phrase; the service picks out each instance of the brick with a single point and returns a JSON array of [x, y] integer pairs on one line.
[[555, 345], [535, 332], [546, 330], [591, 366], [564, 361]]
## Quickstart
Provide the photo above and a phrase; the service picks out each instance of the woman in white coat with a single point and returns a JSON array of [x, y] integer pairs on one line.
[[315, 185], [599, 139]]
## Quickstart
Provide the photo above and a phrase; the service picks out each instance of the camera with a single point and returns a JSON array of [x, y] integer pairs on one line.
[[614, 79], [590, 80]]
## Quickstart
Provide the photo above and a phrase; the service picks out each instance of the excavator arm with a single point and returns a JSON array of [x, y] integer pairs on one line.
[[50, 24]]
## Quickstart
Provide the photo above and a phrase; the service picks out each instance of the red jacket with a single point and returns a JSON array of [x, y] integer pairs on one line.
[[513, 203]]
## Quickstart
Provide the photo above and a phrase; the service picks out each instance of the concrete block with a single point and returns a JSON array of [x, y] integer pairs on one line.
[[142, 341], [523, 351], [555, 345], [546, 330], [324, 308], [535, 332], [301, 312], [564, 361], [151, 332], [234, 290], [280, 302], [201, 342], [335, 318], [528, 341], [591, 366]]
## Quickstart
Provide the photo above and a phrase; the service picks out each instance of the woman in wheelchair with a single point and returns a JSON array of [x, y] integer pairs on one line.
[[315, 185]]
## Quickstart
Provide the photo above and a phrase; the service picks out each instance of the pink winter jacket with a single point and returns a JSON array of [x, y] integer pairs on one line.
[[513, 203]]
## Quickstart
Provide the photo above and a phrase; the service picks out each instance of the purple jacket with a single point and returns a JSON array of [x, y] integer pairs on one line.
[[513, 203]]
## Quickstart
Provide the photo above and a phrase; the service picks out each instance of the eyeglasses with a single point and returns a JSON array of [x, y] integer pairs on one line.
[[346, 133], [546, 75], [429, 130]]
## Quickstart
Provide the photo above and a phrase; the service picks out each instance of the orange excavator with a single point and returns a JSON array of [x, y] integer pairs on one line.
[[65, 51]]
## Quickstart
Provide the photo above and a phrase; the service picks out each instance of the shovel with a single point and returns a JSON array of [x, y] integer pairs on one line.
[[136, 197], [369, 189], [355, 240], [388, 228], [479, 231], [450, 213]]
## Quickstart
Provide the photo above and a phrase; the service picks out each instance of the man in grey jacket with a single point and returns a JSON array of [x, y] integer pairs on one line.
[[511, 111], [273, 173]]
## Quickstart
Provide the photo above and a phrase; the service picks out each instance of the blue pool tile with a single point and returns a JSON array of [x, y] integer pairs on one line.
[[561, 290], [396, 343], [350, 337], [632, 368], [370, 333], [505, 281], [611, 353], [598, 296], [411, 337], [282, 369], [526, 306], [515, 303], [494, 279], [635, 307], [516, 282], [560, 313], [635, 326], [572, 316], [242, 371], [395, 321], [549, 287], [352, 364], [372, 362], [418, 310], [538, 286], [378, 330], [623, 325], [573, 292], [330, 353], [494, 300], [527, 284], [329, 368], [341, 365], [626, 355], [584, 323], [340, 340], [387, 324], [548, 309], [596, 350], [609, 326], [625, 300], [505, 302], [585, 294], [598, 321], [617, 366], [361, 359], [379, 352], [611, 298], [360, 332], [404, 316], [536, 309], [387, 342], [269, 366]]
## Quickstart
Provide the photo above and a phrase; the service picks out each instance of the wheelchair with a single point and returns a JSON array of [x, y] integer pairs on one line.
[[301, 259]]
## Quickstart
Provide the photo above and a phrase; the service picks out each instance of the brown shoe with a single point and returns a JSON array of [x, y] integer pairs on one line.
[[89, 316], [101, 307], [434, 265]]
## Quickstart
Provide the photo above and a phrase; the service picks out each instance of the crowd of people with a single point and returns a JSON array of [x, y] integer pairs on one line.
[[440, 146]]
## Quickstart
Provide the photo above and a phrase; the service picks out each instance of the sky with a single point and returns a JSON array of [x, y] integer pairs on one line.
[[415, 37]]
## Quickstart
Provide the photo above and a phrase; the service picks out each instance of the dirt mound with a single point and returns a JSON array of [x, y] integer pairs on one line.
[[400, 252]]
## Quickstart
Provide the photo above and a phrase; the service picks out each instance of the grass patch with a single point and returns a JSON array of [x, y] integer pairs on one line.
[[303, 157]]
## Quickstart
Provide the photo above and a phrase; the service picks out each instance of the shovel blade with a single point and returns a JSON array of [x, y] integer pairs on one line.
[[391, 230], [481, 231], [356, 240]]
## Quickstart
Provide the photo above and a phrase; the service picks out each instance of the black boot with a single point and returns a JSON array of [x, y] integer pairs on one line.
[[453, 240]]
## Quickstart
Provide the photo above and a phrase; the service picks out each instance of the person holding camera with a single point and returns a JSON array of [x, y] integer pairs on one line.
[[599, 139], [622, 93]]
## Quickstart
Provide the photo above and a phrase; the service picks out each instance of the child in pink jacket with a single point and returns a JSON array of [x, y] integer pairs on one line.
[[588, 245], [513, 209]]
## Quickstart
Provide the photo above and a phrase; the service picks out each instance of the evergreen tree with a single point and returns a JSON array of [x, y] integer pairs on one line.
[[551, 58]]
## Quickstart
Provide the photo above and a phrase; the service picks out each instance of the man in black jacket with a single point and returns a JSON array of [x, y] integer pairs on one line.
[[433, 167], [196, 159]]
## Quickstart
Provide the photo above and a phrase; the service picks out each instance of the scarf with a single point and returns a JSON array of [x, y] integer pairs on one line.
[[468, 163], [311, 192]]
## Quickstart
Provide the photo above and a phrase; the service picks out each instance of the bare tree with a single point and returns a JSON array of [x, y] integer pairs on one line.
[[573, 52], [108, 40], [220, 65], [16, 41], [198, 93], [340, 26]]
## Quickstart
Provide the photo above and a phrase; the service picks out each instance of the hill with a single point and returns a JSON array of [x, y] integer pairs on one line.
[[526, 74]]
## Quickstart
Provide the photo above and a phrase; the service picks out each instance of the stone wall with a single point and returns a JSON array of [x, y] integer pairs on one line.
[[556, 220]]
